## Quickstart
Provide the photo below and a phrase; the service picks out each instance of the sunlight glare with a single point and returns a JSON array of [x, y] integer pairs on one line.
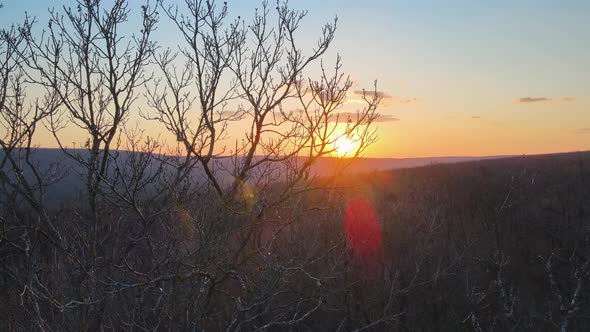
[[345, 146]]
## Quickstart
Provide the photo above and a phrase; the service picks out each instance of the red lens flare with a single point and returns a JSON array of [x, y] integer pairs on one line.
[[363, 232]]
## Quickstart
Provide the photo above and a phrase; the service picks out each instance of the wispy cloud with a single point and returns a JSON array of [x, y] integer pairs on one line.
[[342, 117], [531, 100], [370, 92], [386, 98], [387, 118], [583, 130], [476, 117], [408, 100]]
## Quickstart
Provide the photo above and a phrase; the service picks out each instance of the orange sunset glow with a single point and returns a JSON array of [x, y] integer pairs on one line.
[[451, 91]]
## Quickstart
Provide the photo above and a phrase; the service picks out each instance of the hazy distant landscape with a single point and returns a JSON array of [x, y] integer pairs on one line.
[[71, 181]]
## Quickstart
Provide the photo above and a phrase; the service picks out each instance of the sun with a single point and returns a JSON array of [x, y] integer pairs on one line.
[[345, 146]]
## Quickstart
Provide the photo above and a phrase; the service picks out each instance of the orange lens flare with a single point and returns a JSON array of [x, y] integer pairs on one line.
[[363, 232]]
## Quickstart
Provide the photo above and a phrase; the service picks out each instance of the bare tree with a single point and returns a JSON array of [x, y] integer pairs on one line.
[[232, 72], [20, 119], [228, 72], [150, 249], [90, 73], [24, 181], [95, 71]]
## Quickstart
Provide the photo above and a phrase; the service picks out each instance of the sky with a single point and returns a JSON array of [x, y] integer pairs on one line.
[[461, 77]]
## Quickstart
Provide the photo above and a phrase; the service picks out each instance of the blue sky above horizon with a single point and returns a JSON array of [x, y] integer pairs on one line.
[[466, 77]]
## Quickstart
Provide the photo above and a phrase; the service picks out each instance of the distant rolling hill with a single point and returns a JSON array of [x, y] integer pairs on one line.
[[70, 185], [362, 165]]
